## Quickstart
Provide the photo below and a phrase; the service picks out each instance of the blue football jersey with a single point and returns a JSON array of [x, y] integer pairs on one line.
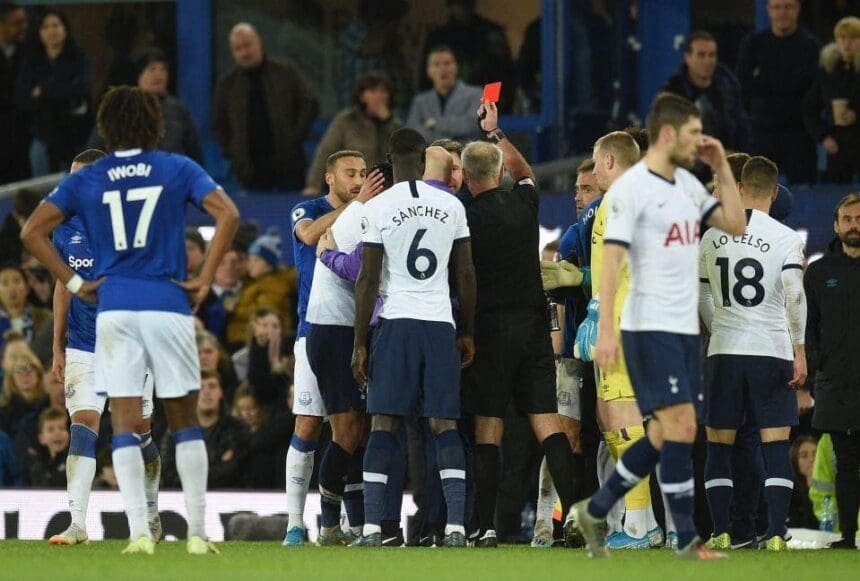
[[304, 255], [73, 246], [132, 206]]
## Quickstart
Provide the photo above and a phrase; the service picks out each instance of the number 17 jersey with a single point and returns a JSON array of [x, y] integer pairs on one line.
[[417, 225], [744, 274], [132, 205]]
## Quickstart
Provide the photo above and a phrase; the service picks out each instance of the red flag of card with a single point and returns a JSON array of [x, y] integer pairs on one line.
[[492, 92]]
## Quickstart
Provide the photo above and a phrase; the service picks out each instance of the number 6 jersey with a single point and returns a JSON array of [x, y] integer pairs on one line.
[[132, 205], [741, 283], [416, 225]]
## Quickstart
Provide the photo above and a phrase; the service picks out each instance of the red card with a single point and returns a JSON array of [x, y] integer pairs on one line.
[[492, 92]]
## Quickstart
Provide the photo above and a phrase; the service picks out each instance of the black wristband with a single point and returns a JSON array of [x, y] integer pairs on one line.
[[495, 136]]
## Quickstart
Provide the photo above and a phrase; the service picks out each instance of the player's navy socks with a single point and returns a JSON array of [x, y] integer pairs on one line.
[[635, 465], [778, 485], [353, 492], [487, 476], [676, 479], [452, 472], [393, 503], [559, 460], [332, 479], [80, 471], [381, 447], [719, 486]]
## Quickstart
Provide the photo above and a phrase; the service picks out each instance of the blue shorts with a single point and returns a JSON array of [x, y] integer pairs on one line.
[[329, 350], [414, 369], [664, 368], [751, 386]]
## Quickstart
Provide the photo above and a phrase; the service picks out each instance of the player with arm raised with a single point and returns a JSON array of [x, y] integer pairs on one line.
[[74, 346], [656, 210], [132, 205], [753, 303], [412, 232]]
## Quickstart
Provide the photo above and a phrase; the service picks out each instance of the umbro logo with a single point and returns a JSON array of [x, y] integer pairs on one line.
[[76, 239], [831, 282]]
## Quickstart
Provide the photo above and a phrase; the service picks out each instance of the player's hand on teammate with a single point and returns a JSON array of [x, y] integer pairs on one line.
[[359, 365], [197, 290], [560, 274], [488, 117], [326, 242], [373, 185], [710, 150], [466, 346], [89, 290], [58, 367]]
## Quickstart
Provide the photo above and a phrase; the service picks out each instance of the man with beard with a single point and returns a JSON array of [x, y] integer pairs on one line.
[[833, 338]]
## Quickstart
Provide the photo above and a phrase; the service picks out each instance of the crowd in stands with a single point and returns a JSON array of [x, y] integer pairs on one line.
[[787, 96]]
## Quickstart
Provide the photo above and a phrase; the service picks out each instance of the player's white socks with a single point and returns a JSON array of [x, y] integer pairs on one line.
[[605, 468], [192, 464], [300, 467], [152, 470], [80, 471], [547, 495], [128, 466], [636, 522]]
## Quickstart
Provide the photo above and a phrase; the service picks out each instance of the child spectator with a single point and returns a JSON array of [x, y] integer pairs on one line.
[[48, 468], [800, 513]]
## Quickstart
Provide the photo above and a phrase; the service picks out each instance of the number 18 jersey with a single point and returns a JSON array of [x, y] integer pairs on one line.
[[417, 225], [132, 205], [744, 274]]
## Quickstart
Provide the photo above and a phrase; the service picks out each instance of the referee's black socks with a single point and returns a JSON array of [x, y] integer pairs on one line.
[[487, 476], [559, 460]]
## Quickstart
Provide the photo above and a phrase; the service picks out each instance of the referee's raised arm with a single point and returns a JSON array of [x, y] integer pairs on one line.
[[512, 159]]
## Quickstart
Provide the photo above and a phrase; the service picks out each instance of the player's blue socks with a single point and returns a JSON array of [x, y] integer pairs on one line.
[[353, 492], [192, 464], [80, 471], [778, 486], [719, 486], [83, 441], [452, 472], [393, 504], [381, 447], [128, 466], [676, 479], [332, 479], [635, 465]]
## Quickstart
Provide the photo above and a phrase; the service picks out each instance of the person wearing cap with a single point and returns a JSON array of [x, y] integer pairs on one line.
[[180, 135], [269, 285]]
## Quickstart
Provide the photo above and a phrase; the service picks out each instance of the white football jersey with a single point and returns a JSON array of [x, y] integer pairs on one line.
[[744, 274], [659, 221], [417, 226], [332, 299]]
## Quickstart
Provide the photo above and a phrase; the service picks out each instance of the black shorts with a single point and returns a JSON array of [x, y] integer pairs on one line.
[[513, 359], [329, 350]]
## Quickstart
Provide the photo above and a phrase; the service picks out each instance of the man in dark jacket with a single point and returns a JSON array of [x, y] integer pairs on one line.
[[775, 67], [833, 342], [14, 163], [261, 113]]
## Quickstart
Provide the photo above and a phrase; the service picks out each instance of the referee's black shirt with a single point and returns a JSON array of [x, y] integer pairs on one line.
[[505, 235]]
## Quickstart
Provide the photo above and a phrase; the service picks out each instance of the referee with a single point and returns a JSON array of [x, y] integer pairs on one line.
[[514, 356]]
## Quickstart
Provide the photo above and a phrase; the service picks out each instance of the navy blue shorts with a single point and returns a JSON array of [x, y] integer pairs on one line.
[[664, 368], [414, 369], [329, 350], [754, 386]]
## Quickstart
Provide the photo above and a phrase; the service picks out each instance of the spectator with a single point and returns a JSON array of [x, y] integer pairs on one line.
[[480, 46], [11, 249], [195, 251], [831, 104], [14, 164], [268, 369], [800, 513], [22, 392], [214, 358], [716, 92], [222, 297], [775, 67], [833, 341], [448, 109], [269, 285], [54, 85], [9, 473], [15, 313], [364, 127], [48, 468], [269, 437], [180, 135], [224, 436], [41, 284], [261, 113]]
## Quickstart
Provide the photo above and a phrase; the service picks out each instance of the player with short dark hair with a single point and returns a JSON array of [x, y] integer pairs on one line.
[[140, 275]]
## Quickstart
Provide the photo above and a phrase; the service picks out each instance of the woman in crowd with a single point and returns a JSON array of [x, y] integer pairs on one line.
[[22, 391], [268, 438], [54, 86], [364, 127], [16, 314], [214, 358]]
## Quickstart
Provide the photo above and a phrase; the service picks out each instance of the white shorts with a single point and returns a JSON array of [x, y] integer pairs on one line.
[[306, 392], [130, 343], [80, 385], [568, 386]]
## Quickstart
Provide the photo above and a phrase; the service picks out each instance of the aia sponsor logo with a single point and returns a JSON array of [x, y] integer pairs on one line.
[[683, 233]]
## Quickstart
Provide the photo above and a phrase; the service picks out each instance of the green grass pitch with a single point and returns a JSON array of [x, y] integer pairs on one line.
[[102, 561]]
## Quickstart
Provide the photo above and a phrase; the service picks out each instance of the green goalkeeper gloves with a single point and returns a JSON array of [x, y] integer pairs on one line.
[[562, 274]]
